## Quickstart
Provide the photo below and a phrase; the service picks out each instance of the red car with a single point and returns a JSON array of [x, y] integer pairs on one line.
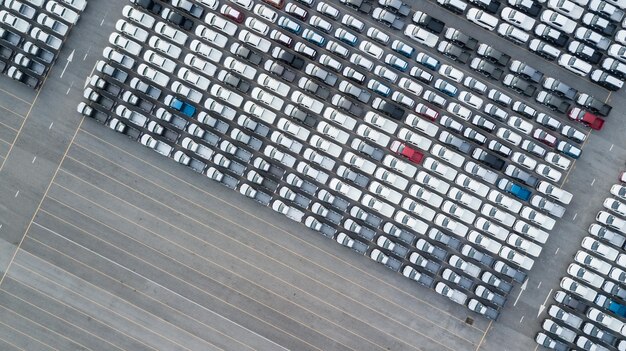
[[426, 112], [276, 3], [544, 137], [406, 151], [231, 13], [585, 117]]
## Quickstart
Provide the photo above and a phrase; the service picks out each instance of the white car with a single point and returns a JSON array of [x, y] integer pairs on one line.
[[472, 185], [293, 129], [491, 228], [421, 35], [523, 160], [530, 231], [378, 35], [567, 8], [425, 195], [226, 95], [556, 193], [168, 48], [451, 225], [504, 201], [130, 46], [615, 206], [377, 205], [212, 36], [171, 33], [391, 178], [588, 260], [509, 136], [381, 122], [445, 154], [519, 124], [591, 278], [418, 209], [138, 16], [256, 25], [359, 162], [194, 78], [422, 125], [451, 72], [611, 221], [155, 76], [411, 222], [266, 98], [339, 118], [239, 67], [399, 166], [482, 18], [78, 5], [558, 160], [447, 172], [458, 212], [578, 289], [535, 217], [371, 49], [499, 215], [217, 22], [619, 191], [548, 172], [484, 242], [575, 65], [515, 257], [61, 11], [464, 198], [410, 86], [458, 110], [307, 101], [258, 111], [265, 12], [246, 4], [345, 189], [333, 132], [524, 245], [471, 100], [385, 192], [273, 84], [517, 18], [481, 172], [558, 21], [131, 30], [254, 40], [432, 182], [414, 139]]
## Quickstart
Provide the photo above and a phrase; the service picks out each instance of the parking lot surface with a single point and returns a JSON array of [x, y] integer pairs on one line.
[[205, 248]]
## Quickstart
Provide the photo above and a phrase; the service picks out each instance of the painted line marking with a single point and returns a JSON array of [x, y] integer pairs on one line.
[[557, 250], [105, 16], [538, 285], [575, 214], [87, 53], [34, 158], [521, 291], [50, 127], [521, 319], [593, 181], [17, 193], [611, 148]]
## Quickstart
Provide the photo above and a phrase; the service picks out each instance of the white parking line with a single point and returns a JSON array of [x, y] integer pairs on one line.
[[593, 181], [611, 148], [575, 214], [557, 250], [34, 158], [538, 285], [521, 319], [17, 193], [50, 127]]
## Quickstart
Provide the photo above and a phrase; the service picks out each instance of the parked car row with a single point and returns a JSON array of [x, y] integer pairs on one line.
[[590, 312], [297, 133], [576, 34], [31, 35]]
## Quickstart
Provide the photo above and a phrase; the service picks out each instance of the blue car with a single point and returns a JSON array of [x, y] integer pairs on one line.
[[402, 48], [568, 149], [314, 37], [183, 107], [378, 87], [427, 61], [396, 62], [288, 24], [446, 87]]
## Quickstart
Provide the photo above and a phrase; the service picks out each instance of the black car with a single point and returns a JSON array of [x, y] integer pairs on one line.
[[593, 104], [321, 74], [584, 52], [486, 68], [552, 101], [151, 6], [492, 161], [493, 55], [287, 57], [531, 8], [300, 115], [453, 51], [527, 72], [519, 85], [345, 104], [463, 40], [428, 22], [491, 6], [559, 88], [234, 81], [310, 86], [388, 109], [177, 18], [243, 52]]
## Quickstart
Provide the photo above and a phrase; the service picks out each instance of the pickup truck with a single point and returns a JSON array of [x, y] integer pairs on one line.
[[262, 198], [430, 23], [100, 99], [189, 7], [238, 152], [250, 124], [15, 73], [396, 6], [10, 37], [156, 128], [507, 270], [100, 83], [387, 260], [156, 145], [132, 116], [613, 306], [48, 39], [360, 5], [182, 106], [349, 242], [196, 148], [338, 202], [586, 118], [145, 88], [43, 54], [396, 248], [443, 238], [363, 147], [135, 100], [365, 216], [514, 189], [109, 70], [124, 60], [36, 67], [356, 178], [388, 18]]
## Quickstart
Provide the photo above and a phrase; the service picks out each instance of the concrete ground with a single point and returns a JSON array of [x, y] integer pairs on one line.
[[108, 246]]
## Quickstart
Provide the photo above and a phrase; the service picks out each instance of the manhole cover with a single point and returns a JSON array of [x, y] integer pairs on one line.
[[469, 321]]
